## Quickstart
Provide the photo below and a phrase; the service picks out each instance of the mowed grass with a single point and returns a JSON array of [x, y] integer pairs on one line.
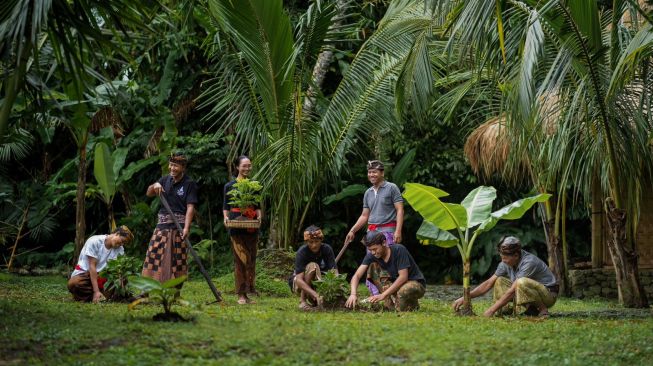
[[40, 324]]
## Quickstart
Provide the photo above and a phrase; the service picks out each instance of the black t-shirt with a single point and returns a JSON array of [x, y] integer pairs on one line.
[[324, 258], [179, 194], [400, 259]]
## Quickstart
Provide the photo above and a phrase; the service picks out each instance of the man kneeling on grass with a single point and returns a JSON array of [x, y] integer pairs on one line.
[[520, 276], [311, 260], [393, 271], [84, 283]]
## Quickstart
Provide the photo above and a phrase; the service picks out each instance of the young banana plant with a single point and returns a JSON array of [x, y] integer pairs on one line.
[[458, 225]]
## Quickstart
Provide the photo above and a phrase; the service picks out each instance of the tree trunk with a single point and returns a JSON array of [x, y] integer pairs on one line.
[[624, 259], [11, 87], [80, 216], [322, 64], [554, 250], [466, 309]]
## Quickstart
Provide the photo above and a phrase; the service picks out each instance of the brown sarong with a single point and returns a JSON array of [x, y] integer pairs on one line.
[[244, 247], [166, 256], [82, 288]]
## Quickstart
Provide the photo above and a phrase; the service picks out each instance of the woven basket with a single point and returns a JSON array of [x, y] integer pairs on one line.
[[243, 224]]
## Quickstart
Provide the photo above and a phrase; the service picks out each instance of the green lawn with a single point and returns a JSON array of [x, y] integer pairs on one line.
[[40, 324]]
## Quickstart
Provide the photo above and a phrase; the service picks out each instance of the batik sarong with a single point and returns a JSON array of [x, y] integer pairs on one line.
[[405, 299], [389, 233], [82, 288], [244, 247], [529, 292], [166, 256]]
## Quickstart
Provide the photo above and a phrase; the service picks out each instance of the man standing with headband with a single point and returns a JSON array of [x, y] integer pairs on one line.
[[521, 276], [383, 210], [167, 253]]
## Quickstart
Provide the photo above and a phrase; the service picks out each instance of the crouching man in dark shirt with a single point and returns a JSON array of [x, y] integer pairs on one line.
[[393, 271], [312, 259], [522, 277]]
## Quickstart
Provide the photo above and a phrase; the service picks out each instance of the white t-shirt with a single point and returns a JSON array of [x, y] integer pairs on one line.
[[94, 247]]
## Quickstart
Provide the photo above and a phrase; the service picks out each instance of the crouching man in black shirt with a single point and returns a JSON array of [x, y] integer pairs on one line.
[[311, 260], [393, 271]]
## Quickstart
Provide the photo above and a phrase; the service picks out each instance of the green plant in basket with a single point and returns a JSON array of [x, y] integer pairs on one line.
[[333, 288], [167, 294], [245, 195], [116, 272]]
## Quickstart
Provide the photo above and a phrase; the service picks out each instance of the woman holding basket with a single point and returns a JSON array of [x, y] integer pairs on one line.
[[243, 234]]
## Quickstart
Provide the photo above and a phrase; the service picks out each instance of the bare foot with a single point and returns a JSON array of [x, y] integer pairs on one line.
[[305, 307], [543, 312], [242, 300]]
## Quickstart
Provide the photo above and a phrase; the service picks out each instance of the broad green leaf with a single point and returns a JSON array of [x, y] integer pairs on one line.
[[430, 234], [478, 204], [174, 281], [103, 170], [119, 155], [348, 191], [426, 201], [133, 168], [400, 171], [512, 211], [144, 284]]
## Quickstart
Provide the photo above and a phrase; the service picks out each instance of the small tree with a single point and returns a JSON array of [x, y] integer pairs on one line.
[[473, 212], [166, 294]]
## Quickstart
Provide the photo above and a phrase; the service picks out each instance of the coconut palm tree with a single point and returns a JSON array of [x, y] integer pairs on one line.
[[596, 68], [263, 71]]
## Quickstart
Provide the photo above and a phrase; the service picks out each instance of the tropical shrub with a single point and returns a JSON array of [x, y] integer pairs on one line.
[[167, 294], [245, 194], [475, 211], [333, 288], [116, 272]]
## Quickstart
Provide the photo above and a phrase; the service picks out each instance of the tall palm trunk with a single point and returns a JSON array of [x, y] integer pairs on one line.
[[624, 258], [80, 216]]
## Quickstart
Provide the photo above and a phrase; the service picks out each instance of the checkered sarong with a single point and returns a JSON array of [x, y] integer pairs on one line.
[[166, 256]]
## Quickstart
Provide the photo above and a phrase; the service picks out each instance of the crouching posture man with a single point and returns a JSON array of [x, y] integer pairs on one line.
[[84, 282], [393, 271], [520, 276], [311, 260]]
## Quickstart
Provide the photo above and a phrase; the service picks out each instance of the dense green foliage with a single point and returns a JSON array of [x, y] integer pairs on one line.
[[117, 272], [41, 325]]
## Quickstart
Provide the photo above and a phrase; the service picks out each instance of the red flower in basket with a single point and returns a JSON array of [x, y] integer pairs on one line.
[[250, 213]]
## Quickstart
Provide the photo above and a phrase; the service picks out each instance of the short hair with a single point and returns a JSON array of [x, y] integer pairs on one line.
[[375, 164], [373, 237], [124, 232], [509, 245], [178, 158]]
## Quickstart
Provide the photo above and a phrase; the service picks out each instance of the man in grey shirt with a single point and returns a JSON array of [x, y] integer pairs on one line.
[[383, 210], [521, 276], [383, 206]]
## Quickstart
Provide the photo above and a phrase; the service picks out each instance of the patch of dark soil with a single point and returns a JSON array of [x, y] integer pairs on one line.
[[170, 317]]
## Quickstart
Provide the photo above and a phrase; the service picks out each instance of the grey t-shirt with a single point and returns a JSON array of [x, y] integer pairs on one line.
[[529, 266], [382, 203]]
